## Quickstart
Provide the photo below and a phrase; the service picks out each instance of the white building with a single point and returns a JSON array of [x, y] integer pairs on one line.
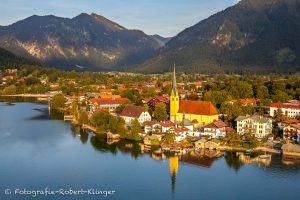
[[216, 129], [132, 112], [292, 132], [291, 110], [257, 125]]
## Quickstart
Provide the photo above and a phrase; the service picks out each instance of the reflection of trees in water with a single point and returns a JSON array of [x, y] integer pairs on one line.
[[84, 136], [56, 115], [77, 131], [22, 99], [233, 161]]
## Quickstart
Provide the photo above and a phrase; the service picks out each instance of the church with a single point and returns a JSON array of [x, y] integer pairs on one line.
[[199, 113]]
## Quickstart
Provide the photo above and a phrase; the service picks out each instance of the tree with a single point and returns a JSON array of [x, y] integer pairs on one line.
[[280, 96], [160, 112], [121, 129], [57, 101], [136, 127], [262, 92], [10, 90], [100, 119], [168, 138], [83, 117], [279, 116], [240, 89]]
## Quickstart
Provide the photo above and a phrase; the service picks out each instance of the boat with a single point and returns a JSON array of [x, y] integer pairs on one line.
[[10, 103], [249, 151], [265, 156]]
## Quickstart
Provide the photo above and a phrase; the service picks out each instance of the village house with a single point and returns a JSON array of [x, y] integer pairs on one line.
[[216, 129], [292, 132], [289, 109], [286, 122], [257, 125], [181, 133], [152, 127], [132, 112], [11, 71], [107, 103], [159, 99]]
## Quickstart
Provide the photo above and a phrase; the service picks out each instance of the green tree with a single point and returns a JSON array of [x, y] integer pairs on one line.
[[160, 112], [280, 96], [168, 138], [135, 127], [10, 90], [57, 101], [262, 92], [83, 117]]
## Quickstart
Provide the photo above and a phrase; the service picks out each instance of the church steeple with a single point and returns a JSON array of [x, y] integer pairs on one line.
[[174, 83], [174, 99]]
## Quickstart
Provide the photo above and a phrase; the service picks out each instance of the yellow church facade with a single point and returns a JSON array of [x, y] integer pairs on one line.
[[199, 113]]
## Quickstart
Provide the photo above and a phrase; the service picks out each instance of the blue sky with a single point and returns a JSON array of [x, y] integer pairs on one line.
[[164, 17]]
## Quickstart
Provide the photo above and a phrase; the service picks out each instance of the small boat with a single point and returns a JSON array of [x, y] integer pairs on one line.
[[265, 156], [10, 103], [249, 151]]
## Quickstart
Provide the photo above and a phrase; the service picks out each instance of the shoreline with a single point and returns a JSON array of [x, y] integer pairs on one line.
[[26, 95]]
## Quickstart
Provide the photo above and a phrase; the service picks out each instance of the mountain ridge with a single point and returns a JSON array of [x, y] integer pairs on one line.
[[249, 36], [88, 40]]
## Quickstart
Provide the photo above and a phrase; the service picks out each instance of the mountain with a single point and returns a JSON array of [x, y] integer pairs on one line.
[[254, 35], [85, 42], [161, 40], [8, 59]]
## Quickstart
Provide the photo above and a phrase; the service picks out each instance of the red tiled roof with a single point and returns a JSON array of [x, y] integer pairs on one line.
[[197, 108], [216, 124], [147, 99], [150, 123], [167, 124], [181, 129], [285, 105], [133, 111], [104, 101], [290, 121], [296, 126], [8, 77]]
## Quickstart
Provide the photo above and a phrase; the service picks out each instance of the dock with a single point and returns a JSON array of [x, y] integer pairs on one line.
[[88, 127], [68, 117]]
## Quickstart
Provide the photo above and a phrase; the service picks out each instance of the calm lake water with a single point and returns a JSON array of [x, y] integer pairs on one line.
[[37, 150]]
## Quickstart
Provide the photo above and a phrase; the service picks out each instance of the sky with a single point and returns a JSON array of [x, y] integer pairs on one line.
[[164, 17]]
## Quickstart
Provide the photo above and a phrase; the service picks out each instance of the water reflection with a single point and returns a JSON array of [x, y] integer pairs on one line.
[[202, 158], [173, 165], [38, 135]]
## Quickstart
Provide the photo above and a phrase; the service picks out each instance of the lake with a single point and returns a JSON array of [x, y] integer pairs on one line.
[[38, 150]]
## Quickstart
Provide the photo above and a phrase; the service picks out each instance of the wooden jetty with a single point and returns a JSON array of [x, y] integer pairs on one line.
[[68, 117]]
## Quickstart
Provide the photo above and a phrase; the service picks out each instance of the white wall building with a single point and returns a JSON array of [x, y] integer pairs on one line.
[[257, 125], [291, 110], [132, 112]]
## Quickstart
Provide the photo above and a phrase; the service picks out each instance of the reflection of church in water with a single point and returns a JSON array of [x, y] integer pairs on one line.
[[173, 165], [203, 158]]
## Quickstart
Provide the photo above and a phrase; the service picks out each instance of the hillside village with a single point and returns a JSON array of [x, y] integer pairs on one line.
[[160, 111]]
